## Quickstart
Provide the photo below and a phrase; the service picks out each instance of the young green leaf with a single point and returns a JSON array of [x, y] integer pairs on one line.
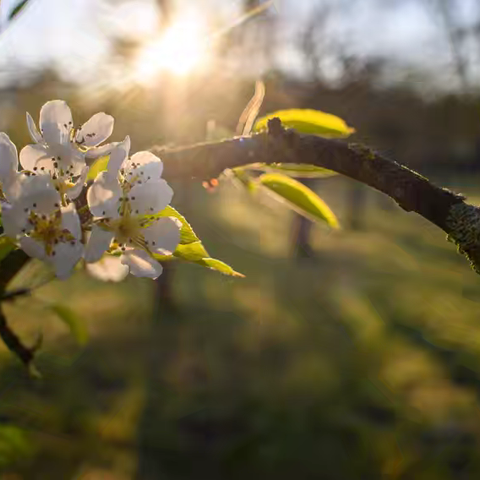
[[299, 197], [241, 177], [220, 266], [249, 115], [187, 235], [6, 246], [98, 166], [196, 253], [295, 170], [72, 321], [313, 122], [193, 251]]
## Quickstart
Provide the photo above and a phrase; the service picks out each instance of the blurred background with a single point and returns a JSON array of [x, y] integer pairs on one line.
[[341, 355]]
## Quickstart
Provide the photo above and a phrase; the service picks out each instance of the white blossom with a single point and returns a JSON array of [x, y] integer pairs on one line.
[[42, 227], [61, 150], [10, 178], [124, 200], [108, 269]]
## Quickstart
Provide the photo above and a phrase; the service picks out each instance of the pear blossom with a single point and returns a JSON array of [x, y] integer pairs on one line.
[[8, 163], [124, 200], [108, 269], [61, 150], [42, 227]]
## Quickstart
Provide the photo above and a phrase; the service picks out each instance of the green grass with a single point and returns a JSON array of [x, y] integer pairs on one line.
[[362, 362]]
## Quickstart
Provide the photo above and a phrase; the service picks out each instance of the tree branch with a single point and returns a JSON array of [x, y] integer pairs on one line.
[[412, 191], [11, 265]]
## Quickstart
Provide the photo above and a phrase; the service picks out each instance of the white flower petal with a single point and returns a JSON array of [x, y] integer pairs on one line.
[[14, 185], [118, 155], [104, 195], [141, 264], [8, 158], [71, 221], [39, 195], [76, 190], [35, 158], [56, 122], [67, 158], [108, 269], [33, 248], [163, 236], [143, 158], [64, 258], [143, 167], [102, 151], [33, 130], [95, 131], [97, 244], [14, 219], [150, 198]]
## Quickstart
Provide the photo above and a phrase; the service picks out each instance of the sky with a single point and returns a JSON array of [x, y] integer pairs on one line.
[[72, 34]]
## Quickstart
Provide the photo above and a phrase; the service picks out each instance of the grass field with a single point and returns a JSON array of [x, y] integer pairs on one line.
[[360, 363]]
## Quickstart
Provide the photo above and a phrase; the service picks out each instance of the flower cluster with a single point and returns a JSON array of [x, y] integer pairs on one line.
[[43, 204]]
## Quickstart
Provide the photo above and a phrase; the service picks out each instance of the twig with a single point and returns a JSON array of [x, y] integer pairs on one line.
[[25, 354], [412, 191]]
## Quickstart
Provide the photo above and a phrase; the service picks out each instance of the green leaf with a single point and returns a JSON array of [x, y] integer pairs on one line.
[[196, 253], [98, 166], [17, 9], [72, 320], [241, 176], [193, 252], [220, 266], [249, 115], [299, 197], [311, 122], [296, 170], [187, 235], [6, 246], [33, 274]]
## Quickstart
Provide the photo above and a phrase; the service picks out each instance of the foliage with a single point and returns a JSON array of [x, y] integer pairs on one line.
[[297, 170], [98, 166], [299, 197], [311, 122], [191, 248], [6, 246]]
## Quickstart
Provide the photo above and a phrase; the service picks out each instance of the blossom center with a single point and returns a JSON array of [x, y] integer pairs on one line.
[[48, 230], [127, 228]]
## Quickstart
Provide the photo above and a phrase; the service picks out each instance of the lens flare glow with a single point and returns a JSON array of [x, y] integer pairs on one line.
[[182, 49]]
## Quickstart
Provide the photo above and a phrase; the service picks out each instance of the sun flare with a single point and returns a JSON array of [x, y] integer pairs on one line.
[[182, 49]]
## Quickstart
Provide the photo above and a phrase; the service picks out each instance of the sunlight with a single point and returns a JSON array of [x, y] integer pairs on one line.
[[180, 50]]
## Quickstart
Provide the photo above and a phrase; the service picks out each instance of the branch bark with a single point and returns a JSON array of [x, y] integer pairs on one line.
[[412, 191]]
